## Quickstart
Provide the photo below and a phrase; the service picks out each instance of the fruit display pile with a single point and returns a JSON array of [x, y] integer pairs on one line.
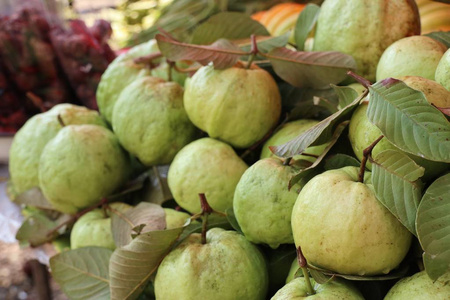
[[43, 60], [236, 164]]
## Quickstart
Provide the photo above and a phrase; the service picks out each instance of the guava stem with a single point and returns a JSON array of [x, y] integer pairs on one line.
[[287, 161], [61, 121], [169, 70], [147, 59], [366, 83], [366, 153], [78, 215], [37, 101], [253, 51], [303, 265], [206, 211]]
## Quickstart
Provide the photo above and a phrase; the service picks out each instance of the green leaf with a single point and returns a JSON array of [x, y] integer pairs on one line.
[[311, 169], [305, 24], [395, 178], [196, 227], [264, 43], [159, 191], [132, 186], [37, 229], [232, 219], [345, 94], [319, 277], [131, 267], [340, 160], [441, 36], [407, 120], [433, 227], [222, 53], [310, 69], [318, 134], [150, 215], [35, 198], [400, 272], [83, 273], [227, 25]]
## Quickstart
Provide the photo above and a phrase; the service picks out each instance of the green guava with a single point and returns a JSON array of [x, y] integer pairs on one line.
[[226, 267], [263, 202], [81, 165], [124, 71], [205, 166], [94, 228], [174, 218], [235, 105], [420, 286], [341, 226], [335, 289], [364, 29], [29, 141], [411, 56], [150, 121], [362, 133], [288, 132], [442, 75]]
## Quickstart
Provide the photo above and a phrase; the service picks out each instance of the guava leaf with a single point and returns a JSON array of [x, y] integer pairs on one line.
[[395, 178], [318, 134], [433, 227], [196, 227], [407, 120], [83, 273], [150, 215], [340, 160], [227, 25], [345, 94], [305, 24], [441, 36], [311, 169], [158, 191], [130, 187], [400, 272], [131, 266], [222, 53], [319, 277], [310, 69], [33, 197], [231, 217], [38, 229], [264, 43]]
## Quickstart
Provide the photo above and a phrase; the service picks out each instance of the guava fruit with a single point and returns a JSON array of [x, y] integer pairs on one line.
[[226, 267], [236, 105], [205, 166], [411, 56], [442, 75], [335, 289], [435, 93], [80, 165], [288, 132], [263, 202], [94, 228], [174, 218], [124, 71], [341, 226], [420, 286], [362, 133], [150, 121], [364, 29], [29, 141]]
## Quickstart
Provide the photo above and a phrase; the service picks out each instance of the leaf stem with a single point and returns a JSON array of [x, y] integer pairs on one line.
[[78, 215], [206, 211], [253, 51], [366, 83], [147, 59], [366, 153], [303, 265]]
